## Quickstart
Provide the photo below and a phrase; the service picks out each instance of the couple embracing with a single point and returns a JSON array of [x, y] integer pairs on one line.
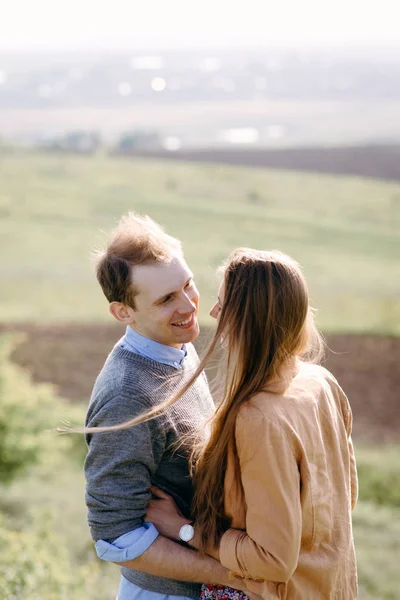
[[247, 495]]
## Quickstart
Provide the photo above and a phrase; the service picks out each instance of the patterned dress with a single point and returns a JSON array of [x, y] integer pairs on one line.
[[220, 592]]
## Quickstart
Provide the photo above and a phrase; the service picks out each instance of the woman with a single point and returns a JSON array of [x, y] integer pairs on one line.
[[276, 481]]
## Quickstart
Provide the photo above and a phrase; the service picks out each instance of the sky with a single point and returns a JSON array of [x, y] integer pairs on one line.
[[46, 25]]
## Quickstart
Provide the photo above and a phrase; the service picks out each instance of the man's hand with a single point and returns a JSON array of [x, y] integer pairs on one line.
[[164, 514]]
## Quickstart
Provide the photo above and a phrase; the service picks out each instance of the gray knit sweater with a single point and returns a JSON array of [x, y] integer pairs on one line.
[[121, 465]]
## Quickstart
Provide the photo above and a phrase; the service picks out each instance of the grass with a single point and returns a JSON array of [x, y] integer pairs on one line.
[[377, 539], [44, 512], [58, 486], [344, 231], [376, 522], [53, 493]]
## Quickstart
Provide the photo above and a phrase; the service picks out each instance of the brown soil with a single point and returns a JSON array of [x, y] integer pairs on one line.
[[381, 162], [70, 356]]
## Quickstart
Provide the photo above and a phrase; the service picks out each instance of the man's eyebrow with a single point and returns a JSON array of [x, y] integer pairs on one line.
[[161, 298]]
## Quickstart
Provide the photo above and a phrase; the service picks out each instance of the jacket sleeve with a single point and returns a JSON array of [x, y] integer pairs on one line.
[[269, 548], [353, 473], [348, 423], [119, 467], [348, 419]]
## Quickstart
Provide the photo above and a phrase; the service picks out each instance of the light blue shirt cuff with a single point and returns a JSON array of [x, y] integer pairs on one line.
[[127, 546]]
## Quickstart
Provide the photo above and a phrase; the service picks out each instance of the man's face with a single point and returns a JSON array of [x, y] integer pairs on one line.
[[167, 302]]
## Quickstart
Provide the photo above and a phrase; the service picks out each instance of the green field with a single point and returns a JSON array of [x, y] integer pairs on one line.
[[47, 506], [53, 210], [45, 548]]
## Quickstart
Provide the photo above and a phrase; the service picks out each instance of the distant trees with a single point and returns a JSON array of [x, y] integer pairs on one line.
[[139, 139], [79, 142], [90, 142]]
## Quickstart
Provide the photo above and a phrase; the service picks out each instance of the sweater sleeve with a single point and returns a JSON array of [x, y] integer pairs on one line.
[[269, 548], [119, 467]]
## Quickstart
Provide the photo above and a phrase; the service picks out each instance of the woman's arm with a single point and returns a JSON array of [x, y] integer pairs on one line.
[[269, 548], [352, 458]]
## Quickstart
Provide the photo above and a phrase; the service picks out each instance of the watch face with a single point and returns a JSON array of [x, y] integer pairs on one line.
[[186, 533]]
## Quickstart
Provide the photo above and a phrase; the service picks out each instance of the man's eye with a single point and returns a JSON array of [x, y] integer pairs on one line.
[[167, 299]]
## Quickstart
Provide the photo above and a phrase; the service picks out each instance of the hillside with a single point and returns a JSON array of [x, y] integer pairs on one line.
[[344, 231]]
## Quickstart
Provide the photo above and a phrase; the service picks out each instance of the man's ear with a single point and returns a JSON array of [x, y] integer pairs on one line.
[[123, 313]]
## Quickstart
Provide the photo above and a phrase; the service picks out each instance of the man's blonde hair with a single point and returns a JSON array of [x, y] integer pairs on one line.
[[137, 240]]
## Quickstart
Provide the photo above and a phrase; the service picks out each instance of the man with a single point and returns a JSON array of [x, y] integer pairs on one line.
[[151, 290]]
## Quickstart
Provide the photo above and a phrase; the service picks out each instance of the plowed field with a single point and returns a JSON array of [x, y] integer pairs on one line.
[[367, 367]]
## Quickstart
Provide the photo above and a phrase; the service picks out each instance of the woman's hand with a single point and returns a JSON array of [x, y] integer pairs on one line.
[[164, 514]]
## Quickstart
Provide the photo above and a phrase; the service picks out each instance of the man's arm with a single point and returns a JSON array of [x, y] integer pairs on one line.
[[145, 550], [165, 558], [118, 471], [119, 467]]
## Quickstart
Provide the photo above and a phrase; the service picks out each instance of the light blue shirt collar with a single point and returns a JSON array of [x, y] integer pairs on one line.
[[167, 355]]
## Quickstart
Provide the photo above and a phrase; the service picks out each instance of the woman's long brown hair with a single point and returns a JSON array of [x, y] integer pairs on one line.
[[265, 320]]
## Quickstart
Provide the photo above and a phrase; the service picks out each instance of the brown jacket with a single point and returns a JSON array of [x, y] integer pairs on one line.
[[291, 533]]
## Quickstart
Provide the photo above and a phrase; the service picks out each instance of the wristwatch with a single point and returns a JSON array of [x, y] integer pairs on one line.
[[186, 533]]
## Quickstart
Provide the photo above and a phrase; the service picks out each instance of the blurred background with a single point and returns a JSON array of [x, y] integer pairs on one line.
[[272, 126]]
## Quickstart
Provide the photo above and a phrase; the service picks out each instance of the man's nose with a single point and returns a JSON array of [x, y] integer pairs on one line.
[[188, 303]]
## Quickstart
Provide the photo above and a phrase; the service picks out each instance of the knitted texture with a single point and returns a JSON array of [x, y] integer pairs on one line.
[[121, 465]]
